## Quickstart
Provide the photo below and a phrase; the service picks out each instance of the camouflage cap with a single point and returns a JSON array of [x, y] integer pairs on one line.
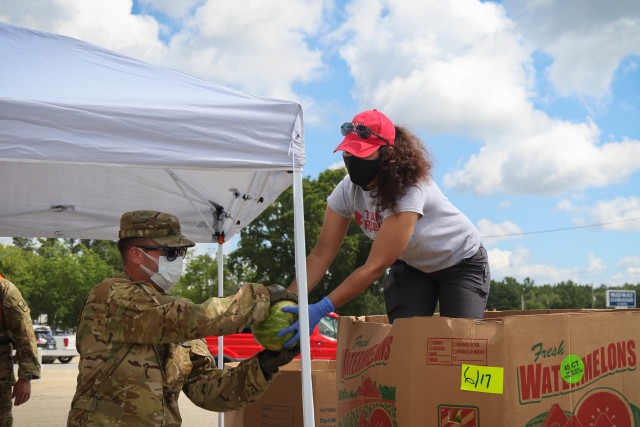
[[162, 228]]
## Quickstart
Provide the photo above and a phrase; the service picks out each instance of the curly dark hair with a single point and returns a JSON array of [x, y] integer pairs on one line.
[[403, 164]]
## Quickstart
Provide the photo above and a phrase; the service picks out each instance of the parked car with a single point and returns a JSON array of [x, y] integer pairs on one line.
[[45, 341], [65, 346], [55, 344], [236, 347]]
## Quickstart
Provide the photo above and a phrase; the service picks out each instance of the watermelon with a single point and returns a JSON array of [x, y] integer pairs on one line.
[[266, 332]]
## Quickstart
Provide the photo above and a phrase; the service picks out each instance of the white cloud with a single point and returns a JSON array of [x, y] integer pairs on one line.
[[254, 47], [491, 231], [566, 205], [587, 40], [623, 212], [499, 261], [446, 66], [552, 158], [626, 271], [506, 204], [595, 264], [619, 214], [109, 24], [631, 265], [517, 264], [463, 67]]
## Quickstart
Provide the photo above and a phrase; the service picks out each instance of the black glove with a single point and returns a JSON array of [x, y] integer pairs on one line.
[[279, 293], [270, 361]]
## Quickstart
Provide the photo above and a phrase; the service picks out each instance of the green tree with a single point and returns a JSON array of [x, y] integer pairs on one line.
[[65, 279], [505, 295], [571, 295], [91, 268], [18, 266], [600, 296], [200, 279], [24, 243], [529, 295], [106, 249], [53, 280]]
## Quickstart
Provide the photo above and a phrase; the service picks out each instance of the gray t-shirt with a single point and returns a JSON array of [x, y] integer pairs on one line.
[[443, 236]]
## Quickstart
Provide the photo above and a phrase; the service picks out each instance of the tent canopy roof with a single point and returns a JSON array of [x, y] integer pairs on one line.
[[87, 134]]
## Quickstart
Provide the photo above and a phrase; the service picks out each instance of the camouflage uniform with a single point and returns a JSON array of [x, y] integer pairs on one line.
[[16, 331], [140, 347]]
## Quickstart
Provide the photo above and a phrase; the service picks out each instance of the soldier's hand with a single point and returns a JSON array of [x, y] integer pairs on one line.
[[279, 293], [270, 361], [21, 392]]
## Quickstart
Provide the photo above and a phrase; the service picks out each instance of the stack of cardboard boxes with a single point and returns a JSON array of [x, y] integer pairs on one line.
[[281, 405], [511, 369], [577, 369]]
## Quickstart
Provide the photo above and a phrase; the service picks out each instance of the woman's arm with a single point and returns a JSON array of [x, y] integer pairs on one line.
[[334, 228], [394, 235], [390, 243]]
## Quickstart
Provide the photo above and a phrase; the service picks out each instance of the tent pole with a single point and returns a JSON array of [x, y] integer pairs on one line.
[[301, 279], [220, 338]]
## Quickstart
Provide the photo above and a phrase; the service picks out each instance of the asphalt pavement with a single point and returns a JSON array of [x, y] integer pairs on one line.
[[51, 399]]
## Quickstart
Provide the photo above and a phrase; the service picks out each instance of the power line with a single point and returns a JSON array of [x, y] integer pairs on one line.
[[553, 230]]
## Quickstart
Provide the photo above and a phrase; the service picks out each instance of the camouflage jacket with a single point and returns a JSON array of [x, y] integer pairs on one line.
[[16, 332], [139, 348]]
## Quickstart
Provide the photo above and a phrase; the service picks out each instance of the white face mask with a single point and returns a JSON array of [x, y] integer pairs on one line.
[[168, 274]]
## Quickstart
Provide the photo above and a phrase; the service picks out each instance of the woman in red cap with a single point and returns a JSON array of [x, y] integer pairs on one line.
[[432, 250]]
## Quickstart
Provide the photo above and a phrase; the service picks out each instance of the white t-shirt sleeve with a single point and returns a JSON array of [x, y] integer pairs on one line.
[[413, 201], [341, 199]]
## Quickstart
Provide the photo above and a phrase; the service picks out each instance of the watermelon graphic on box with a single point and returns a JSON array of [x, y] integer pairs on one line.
[[458, 416], [601, 407], [370, 405]]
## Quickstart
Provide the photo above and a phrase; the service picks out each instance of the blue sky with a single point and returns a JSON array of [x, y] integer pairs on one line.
[[530, 109]]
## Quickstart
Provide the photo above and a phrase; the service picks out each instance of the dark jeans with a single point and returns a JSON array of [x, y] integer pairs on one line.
[[461, 290]]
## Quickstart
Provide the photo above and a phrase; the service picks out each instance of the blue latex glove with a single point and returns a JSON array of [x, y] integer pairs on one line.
[[316, 312]]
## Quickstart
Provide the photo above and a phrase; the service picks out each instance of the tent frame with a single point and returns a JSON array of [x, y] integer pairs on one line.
[[91, 134]]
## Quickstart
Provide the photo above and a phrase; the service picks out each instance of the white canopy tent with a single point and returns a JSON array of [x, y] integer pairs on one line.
[[87, 134]]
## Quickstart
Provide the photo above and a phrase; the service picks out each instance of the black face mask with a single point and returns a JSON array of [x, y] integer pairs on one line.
[[362, 171]]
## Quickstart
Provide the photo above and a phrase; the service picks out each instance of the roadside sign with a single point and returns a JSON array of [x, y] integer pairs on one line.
[[621, 298]]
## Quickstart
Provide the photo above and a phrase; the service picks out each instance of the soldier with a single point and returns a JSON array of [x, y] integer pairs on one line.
[[16, 331], [139, 347]]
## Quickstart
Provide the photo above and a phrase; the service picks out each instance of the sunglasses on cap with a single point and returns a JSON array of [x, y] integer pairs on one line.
[[363, 131], [170, 253]]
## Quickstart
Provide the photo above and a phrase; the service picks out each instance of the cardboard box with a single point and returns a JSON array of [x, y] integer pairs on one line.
[[568, 369], [281, 404]]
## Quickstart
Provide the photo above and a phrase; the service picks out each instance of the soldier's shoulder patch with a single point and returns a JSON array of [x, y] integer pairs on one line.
[[23, 305]]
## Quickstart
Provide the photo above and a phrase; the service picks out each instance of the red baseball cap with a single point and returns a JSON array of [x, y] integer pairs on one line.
[[379, 124]]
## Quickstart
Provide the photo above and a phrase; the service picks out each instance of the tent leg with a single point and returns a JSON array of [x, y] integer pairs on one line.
[[220, 338], [301, 279]]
